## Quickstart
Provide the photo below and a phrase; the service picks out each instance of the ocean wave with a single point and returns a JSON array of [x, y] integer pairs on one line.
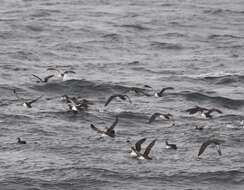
[[227, 79], [222, 11], [164, 45], [82, 87], [219, 77], [134, 26], [223, 36], [221, 101]]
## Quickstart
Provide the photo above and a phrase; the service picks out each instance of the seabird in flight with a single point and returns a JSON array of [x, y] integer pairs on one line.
[[107, 131], [27, 104], [145, 155], [167, 116], [216, 142], [136, 147], [196, 109], [207, 114], [138, 91], [121, 96]]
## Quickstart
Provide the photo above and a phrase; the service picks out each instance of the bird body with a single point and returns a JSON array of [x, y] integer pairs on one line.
[[153, 117], [20, 141], [170, 146]]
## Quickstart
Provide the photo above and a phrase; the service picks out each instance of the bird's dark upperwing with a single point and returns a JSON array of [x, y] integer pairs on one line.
[[110, 99], [114, 124], [66, 72], [37, 77], [48, 77], [208, 142], [203, 147], [167, 88], [153, 117], [139, 143], [214, 110], [32, 101], [125, 96], [53, 69], [149, 147], [96, 129], [167, 116]]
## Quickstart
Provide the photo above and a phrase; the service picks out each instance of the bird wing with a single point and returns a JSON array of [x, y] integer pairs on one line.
[[149, 147], [167, 88], [203, 147], [128, 98], [110, 99], [96, 129], [123, 97], [48, 77], [167, 116], [219, 150], [32, 101], [53, 69], [114, 124], [153, 117], [147, 86], [66, 72], [139, 143], [214, 110], [192, 110], [37, 77]]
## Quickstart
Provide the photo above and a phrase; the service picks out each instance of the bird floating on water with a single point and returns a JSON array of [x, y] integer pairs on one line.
[[170, 146], [20, 141]]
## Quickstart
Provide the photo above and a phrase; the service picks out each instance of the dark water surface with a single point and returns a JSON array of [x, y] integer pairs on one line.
[[194, 46]]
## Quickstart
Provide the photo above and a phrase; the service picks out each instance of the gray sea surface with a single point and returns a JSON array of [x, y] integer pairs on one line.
[[194, 46]]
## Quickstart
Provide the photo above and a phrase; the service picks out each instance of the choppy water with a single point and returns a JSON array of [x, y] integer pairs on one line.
[[194, 46]]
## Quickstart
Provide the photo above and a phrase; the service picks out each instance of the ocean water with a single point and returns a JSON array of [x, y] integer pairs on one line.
[[194, 46]]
